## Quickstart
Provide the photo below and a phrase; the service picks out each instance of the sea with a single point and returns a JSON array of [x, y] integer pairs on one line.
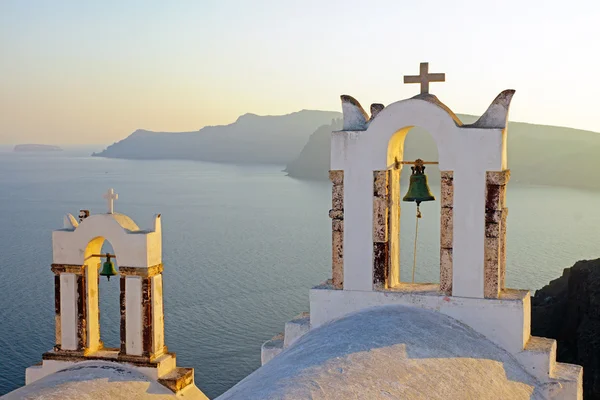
[[242, 246]]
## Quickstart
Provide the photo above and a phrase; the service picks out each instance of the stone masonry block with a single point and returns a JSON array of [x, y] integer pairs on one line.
[[336, 176], [491, 268], [502, 252], [380, 183], [380, 219], [498, 177], [336, 214], [337, 262], [380, 263], [337, 225], [337, 197], [493, 217], [492, 230], [447, 175], [447, 196], [446, 228], [495, 197], [446, 271]]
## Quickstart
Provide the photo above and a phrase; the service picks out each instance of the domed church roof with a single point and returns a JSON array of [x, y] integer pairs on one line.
[[390, 352]]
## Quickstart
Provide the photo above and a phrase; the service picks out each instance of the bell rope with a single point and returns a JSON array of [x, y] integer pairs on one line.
[[415, 249]]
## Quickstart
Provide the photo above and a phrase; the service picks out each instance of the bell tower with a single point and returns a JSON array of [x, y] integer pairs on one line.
[[78, 265]]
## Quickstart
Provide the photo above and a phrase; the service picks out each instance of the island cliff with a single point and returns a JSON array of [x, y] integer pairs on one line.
[[250, 139], [568, 310], [36, 148]]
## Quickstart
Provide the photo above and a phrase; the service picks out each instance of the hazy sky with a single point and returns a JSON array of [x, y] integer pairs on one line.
[[93, 72]]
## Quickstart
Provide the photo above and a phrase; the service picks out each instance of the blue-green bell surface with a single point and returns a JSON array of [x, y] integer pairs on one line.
[[108, 269], [418, 189]]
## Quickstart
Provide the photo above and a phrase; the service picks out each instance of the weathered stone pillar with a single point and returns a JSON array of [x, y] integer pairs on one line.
[[70, 307], [495, 232], [446, 230], [123, 308], [142, 319], [81, 312], [381, 257], [337, 228], [57, 322]]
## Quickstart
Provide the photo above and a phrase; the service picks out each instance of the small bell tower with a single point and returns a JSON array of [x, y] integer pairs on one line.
[[77, 266]]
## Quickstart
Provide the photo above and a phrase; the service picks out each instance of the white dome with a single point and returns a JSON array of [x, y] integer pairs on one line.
[[390, 352]]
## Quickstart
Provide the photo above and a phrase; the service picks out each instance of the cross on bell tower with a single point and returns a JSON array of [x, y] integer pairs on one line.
[[424, 78], [111, 196]]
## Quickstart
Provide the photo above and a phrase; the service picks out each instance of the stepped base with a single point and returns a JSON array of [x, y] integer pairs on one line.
[[162, 368], [539, 357], [296, 328], [178, 379], [271, 348], [567, 382]]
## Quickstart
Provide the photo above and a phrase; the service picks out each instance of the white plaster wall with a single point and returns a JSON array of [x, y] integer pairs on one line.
[[468, 152], [501, 321], [134, 248], [154, 243], [133, 315], [48, 367], [68, 311], [158, 320], [269, 352]]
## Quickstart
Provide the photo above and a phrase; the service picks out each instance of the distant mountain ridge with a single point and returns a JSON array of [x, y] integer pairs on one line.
[[250, 139], [537, 154]]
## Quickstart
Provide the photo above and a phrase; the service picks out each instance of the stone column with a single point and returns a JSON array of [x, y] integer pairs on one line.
[[381, 257], [337, 228], [70, 307], [142, 319], [495, 232], [57, 322], [122, 308], [446, 231]]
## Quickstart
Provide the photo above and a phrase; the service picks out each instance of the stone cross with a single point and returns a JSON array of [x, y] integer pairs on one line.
[[111, 196], [424, 78]]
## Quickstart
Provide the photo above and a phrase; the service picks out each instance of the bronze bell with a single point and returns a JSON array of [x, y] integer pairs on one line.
[[108, 269], [418, 189]]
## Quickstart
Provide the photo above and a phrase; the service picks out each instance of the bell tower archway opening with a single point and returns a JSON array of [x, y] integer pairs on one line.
[[414, 243], [103, 296]]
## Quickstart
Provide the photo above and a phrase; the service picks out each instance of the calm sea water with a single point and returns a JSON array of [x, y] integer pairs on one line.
[[242, 246]]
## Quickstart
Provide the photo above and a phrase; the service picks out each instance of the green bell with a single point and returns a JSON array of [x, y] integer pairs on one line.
[[418, 189], [108, 268]]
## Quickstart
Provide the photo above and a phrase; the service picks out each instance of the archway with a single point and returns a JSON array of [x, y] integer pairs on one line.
[[413, 143], [103, 298]]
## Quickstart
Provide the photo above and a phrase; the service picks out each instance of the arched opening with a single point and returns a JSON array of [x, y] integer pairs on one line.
[[419, 144], [103, 298]]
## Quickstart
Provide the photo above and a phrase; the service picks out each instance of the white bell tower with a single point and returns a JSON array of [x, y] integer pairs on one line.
[[76, 260]]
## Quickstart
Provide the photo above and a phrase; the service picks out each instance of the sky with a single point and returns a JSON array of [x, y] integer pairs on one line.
[[92, 72]]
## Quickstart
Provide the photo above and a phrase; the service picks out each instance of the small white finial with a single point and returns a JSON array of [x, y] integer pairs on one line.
[[111, 196]]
